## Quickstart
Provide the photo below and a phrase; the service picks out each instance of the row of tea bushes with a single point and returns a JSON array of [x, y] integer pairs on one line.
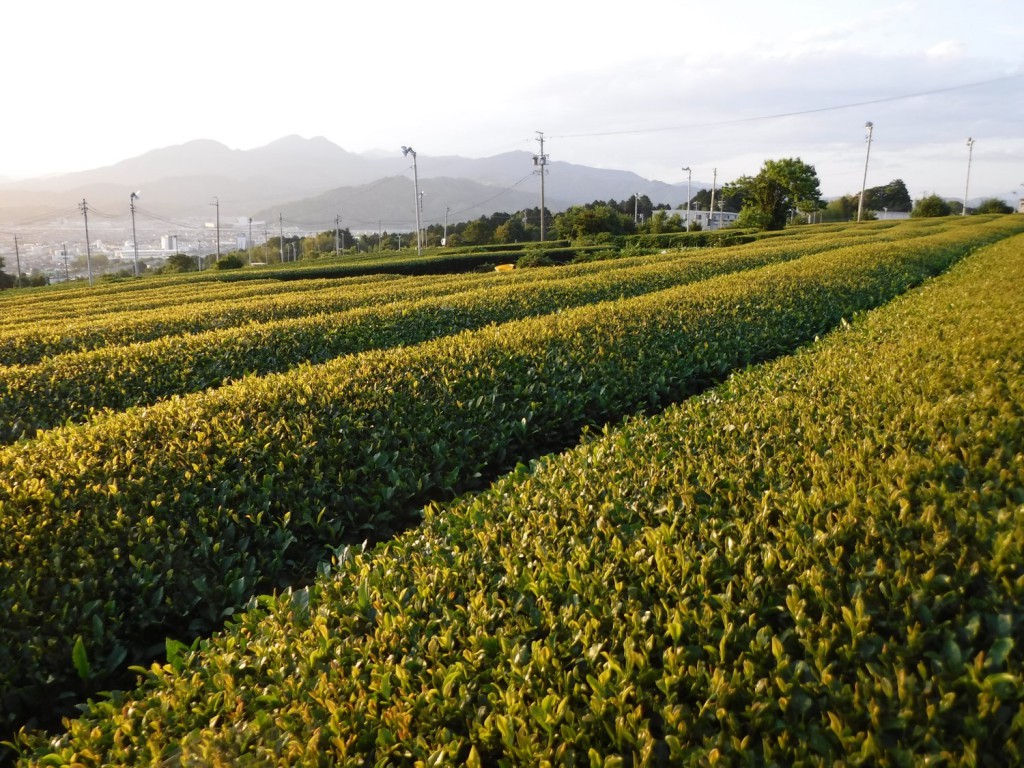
[[817, 563], [73, 386], [204, 306], [151, 520]]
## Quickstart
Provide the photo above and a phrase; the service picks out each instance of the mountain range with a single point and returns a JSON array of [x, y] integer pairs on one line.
[[309, 182]]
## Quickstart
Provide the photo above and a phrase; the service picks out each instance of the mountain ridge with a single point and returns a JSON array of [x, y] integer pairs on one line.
[[296, 173]]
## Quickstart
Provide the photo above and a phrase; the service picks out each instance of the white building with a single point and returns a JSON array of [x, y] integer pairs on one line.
[[718, 220]]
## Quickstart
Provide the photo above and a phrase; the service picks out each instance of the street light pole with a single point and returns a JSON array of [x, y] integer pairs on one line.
[[406, 151], [967, 184], [689, 175], [17, 258], [84, 208], [216, 203], [860, 205], [421, 216], [135, 242], [711, 207]]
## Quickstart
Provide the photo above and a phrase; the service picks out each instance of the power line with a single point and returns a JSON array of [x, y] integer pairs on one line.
[[812, 111]]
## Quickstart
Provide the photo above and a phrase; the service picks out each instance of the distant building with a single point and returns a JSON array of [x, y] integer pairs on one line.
[[719, 219]]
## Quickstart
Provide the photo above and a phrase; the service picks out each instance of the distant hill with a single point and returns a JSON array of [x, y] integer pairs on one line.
[[389, 203], [314, 180]]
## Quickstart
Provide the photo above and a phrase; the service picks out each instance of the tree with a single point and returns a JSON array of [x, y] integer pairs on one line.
[[781, 187], [993, 205], [840, 209], [930, 206], [512, 231], [181, 262], [728, 198], [478, 232], [585, 221], [662, 222], [6, 281], [892, 197]]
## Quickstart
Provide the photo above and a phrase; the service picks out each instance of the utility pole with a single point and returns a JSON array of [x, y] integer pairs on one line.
[[67, 272], [135, 240], [444, 238], [967, 184], [84, 207], [216, 203], [337, 234], [541, 162], [689, 175], [248, 243], [421, 224], [17, 258], [711, 208], [280, 224], [416, 193], [860, 205]]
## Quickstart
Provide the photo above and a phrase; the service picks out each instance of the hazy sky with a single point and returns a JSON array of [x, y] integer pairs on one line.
[[647, 87]]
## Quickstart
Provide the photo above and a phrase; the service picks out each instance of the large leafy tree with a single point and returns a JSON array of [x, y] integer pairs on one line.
[[930, 206], [511, 231], [993, 205], [6, 281], [781, 187], [728, 198], [478, 232], [893, 197], [581, 222]]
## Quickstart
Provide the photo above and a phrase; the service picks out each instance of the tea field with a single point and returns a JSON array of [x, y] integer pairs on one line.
[[791, 531]]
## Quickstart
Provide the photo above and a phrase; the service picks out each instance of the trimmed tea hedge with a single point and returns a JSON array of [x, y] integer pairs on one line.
[[818, 563], [73, 386], [137, 314], [146, 521]]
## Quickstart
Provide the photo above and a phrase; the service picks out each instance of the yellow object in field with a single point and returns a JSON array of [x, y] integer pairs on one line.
[[504, 267]]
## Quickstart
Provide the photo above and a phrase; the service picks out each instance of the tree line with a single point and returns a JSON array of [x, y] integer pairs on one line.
[[784, 191]]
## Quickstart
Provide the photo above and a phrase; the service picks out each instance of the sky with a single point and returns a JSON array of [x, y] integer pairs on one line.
[[648, 87]]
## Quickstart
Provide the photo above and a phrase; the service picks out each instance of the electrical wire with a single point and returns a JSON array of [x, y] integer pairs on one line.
[[797, 113]]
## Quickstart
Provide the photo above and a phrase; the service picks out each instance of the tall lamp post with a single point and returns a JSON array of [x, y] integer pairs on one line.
[[860, 205], [135, 242], [421, 216], [406, 151], [967, 184], [689, 175], [216, 203]]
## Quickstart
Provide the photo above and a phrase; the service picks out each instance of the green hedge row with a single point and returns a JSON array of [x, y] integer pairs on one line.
[[179, 308], [144, 318], [150, 520], [818, 563], [73, 386]]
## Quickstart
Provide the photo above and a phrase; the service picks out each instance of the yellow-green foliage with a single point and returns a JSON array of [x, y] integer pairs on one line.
[[819, 562], [164, 520]]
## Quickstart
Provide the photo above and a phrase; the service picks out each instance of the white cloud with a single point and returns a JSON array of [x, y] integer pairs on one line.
[[947, 49], [665, 84]]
